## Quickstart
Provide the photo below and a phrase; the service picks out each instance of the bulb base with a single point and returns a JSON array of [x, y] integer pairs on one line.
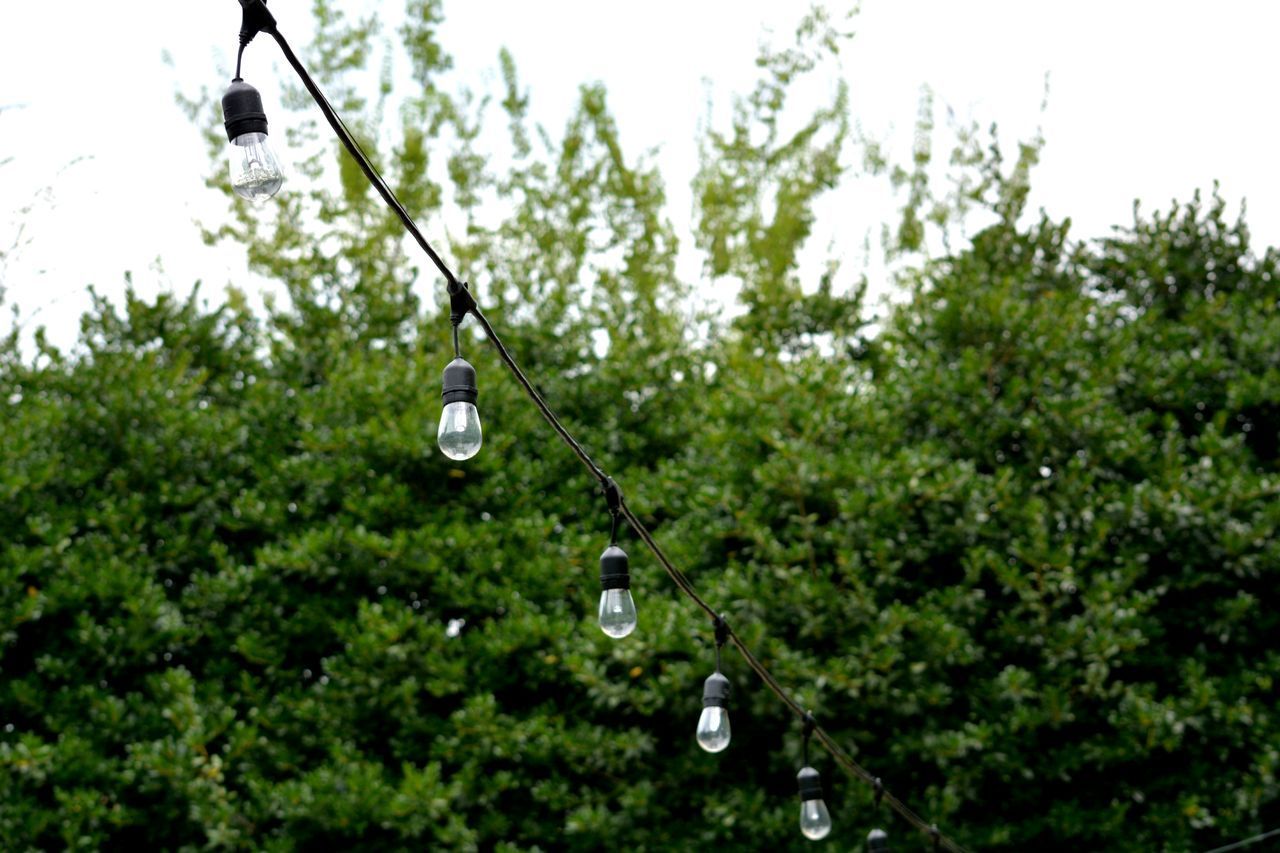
[[460, 382], [615, 571], [810, 784], [716, 691], [242, 110]]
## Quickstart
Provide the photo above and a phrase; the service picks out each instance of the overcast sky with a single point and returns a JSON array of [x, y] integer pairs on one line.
[[1147, 100]]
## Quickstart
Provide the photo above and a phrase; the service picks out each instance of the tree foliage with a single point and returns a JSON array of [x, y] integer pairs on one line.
[[1017, 547]]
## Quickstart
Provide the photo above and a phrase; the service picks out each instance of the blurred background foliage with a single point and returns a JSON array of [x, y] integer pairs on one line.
[[1014, 539]]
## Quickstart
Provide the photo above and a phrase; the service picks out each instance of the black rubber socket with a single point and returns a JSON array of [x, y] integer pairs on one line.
[[460, 382], [810, 784], [242, 110], [615, 571], [716, 691], [877, 841]]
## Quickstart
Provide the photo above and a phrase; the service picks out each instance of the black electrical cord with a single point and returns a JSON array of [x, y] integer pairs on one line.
[[678, 577], [549, 415], [362, 160], [1246, 842]]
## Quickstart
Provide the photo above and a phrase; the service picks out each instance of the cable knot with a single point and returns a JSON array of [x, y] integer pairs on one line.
[[613, 499], [722, 631], [461, 302], [809, 725], [256, 19], [612, 495]]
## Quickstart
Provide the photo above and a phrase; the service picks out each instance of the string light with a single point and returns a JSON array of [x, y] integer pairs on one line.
[[254, 171], [815, 818], [878, 839], [258, 19], [713, 732], [459, 434], [617, 611]]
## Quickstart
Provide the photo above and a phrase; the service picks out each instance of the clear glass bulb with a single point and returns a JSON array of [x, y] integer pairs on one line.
[[713, 728], [617, 613], [459, 433], [815, 820], [255, 172]]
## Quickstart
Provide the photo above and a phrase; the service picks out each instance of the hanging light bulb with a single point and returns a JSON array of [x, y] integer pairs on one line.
[[815, 820], [713, 726], [617, 610], [878, 839], [255, 172], [459, 433]]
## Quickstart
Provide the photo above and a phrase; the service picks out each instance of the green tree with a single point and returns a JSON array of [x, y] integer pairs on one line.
[[1016, 546]]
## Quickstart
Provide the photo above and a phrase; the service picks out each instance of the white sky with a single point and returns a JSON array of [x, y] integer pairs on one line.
[[1148, 100]]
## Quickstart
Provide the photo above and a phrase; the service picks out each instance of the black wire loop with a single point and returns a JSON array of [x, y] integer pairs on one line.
[[878, 787], [461, 302], [809, 725], [722, 631], [256, 19], [613, 499], [722, 637], [612, 495]]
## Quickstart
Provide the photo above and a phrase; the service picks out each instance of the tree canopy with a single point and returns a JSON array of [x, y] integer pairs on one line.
[[1015, 542]]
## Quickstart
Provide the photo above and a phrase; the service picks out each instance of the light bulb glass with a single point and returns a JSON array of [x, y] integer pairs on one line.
[[255, 172], [459, 433], [617, 613], [713, 728], [815, 820]]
